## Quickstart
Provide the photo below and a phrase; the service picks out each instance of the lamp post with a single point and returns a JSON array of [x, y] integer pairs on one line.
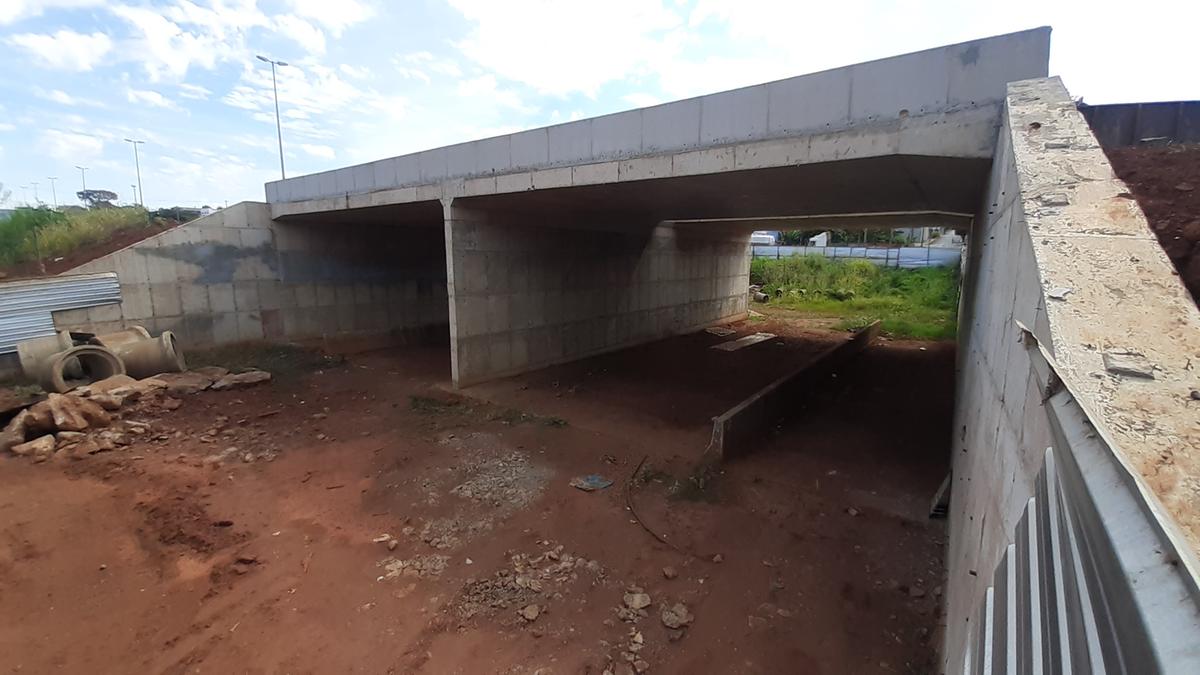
[[278, 124], [137, 165], [36, 201], [53, 192], [82, 176]]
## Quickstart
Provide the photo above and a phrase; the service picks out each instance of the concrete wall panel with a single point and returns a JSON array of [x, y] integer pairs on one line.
[[618, 135], [570, 143], [672, 126], [732, 116], [492, 155]]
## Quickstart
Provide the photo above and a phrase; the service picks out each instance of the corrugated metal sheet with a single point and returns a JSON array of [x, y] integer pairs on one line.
[[1094, 581], [27, 306]]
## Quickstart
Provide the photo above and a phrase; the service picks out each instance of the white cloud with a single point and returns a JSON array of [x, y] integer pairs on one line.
[[322, 151], [194, 91], [357, 72], [64, 49], [170, 40], [562, 47], [70, 146], [303, 33], [485, 91], [5, 126], [150, 98], [640, 99], [19, 10], [63, 98], [335, 16]]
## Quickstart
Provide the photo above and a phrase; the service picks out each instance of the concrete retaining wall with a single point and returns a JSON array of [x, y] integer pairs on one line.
[[236, 275], [528, 291], [1059, 247]]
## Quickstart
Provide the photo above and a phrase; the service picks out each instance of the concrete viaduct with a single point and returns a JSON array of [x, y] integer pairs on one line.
[[557, 243]]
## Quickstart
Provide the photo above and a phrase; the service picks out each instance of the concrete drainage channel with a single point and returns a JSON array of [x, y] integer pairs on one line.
[[66, 360]]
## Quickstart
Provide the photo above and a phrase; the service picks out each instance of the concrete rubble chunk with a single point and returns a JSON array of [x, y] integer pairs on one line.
[[637, 600], [1128, 363], [74, 413], [39, 448], [240, 380], [187, 382], [676, 616], [212, 372], [14, 432], [109, 402], [138, 388], [106, 385]]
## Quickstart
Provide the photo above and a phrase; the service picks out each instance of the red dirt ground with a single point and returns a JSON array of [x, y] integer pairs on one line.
[[1166, 183], [86, 254], [143, 560]]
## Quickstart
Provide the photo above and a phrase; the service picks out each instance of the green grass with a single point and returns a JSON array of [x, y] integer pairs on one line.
[[920, 303], [60, 233]]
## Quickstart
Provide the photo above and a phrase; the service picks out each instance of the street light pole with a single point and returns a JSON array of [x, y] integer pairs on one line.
[[278, 124], [36, 201], [53, 192], [24, 194], [82, 176], [138, 165]]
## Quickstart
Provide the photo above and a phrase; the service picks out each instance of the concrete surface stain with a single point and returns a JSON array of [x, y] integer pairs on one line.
[[217, 262]]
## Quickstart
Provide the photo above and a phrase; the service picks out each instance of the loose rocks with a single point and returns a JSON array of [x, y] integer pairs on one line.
[[676, 616]]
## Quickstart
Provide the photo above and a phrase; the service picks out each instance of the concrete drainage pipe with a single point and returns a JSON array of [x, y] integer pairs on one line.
[[33, 354], [94, 363], [121, 337], [145, 358]]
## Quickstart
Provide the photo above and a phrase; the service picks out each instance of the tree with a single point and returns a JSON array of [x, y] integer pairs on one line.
[[97, 199], [4, 194]]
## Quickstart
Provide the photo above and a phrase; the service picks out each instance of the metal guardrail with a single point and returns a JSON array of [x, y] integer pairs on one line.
[[1095, 580], [27, 306]]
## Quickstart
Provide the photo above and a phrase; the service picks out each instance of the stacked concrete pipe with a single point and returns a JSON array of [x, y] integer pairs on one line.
[[33, 354], [77, 366], [145, 356]]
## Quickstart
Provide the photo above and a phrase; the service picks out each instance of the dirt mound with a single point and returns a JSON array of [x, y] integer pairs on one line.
[[1166, 183], [175, 520], [86, 254]]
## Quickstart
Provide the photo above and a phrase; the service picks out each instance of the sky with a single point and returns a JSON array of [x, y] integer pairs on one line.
[[368, 79]]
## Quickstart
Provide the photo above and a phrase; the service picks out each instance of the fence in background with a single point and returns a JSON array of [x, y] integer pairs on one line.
[[907, 257], [1122, 124]]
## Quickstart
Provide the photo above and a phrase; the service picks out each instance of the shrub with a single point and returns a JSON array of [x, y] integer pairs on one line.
[[61, 233]]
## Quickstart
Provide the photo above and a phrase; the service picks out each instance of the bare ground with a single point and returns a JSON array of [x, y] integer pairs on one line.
[[147, 560]]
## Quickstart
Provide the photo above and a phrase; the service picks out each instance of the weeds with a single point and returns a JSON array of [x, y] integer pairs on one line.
[[919, 303], [30, 232]]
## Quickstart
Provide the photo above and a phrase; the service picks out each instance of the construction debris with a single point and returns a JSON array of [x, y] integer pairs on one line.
[[590, 482], [241, 380], [734, 345]]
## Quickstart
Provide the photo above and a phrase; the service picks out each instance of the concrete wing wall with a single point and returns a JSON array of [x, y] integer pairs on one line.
[[966, 76], [236, 275], [1059, 247]]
